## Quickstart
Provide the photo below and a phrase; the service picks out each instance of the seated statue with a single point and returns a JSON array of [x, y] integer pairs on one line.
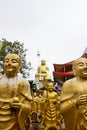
[[50, 108], [42, 72], [74, 97], [15, 95]]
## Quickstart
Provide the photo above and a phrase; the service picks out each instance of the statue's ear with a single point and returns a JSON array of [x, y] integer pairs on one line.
[[19, 68], [74, 71]]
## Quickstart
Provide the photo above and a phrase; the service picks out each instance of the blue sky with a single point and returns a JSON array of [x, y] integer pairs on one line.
[[55, 28]]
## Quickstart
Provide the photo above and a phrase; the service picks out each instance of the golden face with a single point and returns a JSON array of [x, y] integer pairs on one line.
[[80, 67], [50, 86], [11, 65], [43, 62]]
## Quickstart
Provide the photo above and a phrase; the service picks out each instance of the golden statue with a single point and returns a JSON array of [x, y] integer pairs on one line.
[[50, 108], [35, 112], [35, 103], [74, 97], [42, 72], [15, 95]]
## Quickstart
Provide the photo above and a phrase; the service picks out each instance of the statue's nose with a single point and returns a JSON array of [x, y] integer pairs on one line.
[[9, 63]]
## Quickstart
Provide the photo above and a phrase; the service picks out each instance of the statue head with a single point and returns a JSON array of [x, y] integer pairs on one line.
[[43, 62], [80, 67], [49, 86], [12, 65]]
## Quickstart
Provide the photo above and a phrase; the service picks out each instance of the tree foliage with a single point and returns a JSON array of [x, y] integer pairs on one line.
[[17, 48]]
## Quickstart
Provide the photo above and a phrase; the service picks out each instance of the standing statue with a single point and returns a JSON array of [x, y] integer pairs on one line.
[[50, 108], [74, 97], [15, 95], [35, 103], [42, 72], [35, 112]]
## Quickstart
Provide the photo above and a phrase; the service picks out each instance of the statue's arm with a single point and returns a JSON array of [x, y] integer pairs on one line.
[[25, 92], [44, 98], [24, 96], [68, 100]]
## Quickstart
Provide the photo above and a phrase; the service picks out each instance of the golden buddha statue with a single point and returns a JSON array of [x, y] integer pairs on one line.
[[74, 97], [15, 95], [42, 72], [50, 108], [35, 103]]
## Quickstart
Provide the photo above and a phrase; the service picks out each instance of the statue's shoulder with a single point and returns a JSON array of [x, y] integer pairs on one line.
[[70, 82], [22, 80]]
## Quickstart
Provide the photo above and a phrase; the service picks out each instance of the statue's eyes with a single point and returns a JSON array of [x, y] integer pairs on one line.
[[6, 60], [80, 64], [14, 61]]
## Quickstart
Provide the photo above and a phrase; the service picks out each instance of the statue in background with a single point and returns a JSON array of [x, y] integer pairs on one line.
[[50, 108], [35, 103], [15, 95], [35, 112], [42, 72], [74, 97]]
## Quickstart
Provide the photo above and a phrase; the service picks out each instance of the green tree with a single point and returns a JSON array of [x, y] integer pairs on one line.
[[17, 48]]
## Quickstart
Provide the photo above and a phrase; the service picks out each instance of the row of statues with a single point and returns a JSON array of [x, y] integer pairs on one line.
[[17, 102], [47, 107], [72, 104]]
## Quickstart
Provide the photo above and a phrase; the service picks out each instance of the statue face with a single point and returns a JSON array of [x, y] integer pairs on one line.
[[11, 65], [50, 87], [81, 68], [43, 62]]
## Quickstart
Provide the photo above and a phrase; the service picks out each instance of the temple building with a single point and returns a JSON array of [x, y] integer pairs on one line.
[[63, 72]]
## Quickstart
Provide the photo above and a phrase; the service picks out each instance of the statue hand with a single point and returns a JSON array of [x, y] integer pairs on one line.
[[17, 105], [54, 101], [45, 100], [15, 102], [81, 100]]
